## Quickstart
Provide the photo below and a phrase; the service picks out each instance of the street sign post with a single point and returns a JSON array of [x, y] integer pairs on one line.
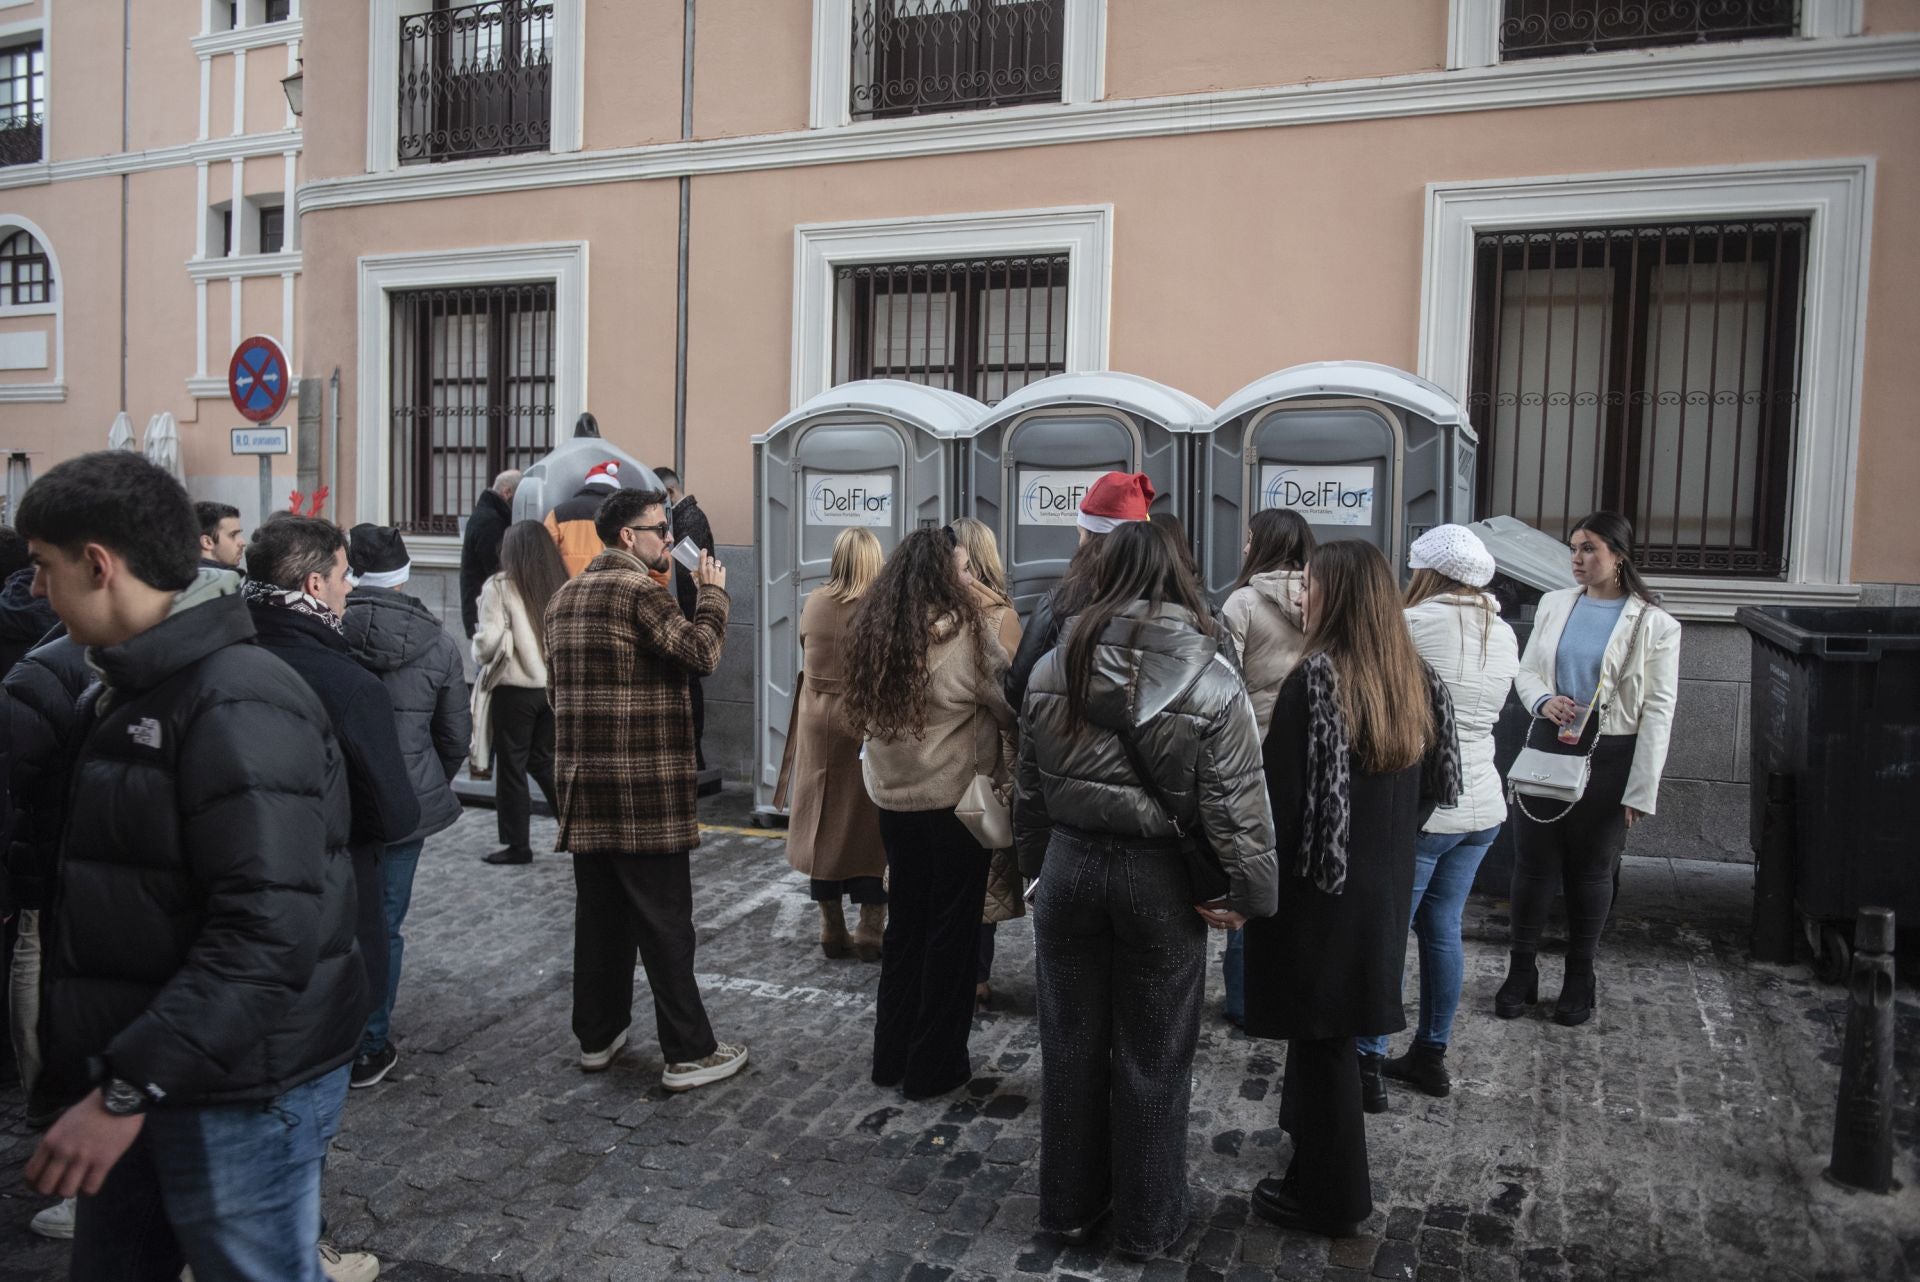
[[258, 382]]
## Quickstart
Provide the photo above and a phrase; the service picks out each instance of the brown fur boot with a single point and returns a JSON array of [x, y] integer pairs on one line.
[[833, 929], [867, 935]]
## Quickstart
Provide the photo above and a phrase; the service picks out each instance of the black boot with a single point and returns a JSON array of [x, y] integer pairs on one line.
[[1423, 1067], [1373, 1091], [1521, 989], [1578, 994]]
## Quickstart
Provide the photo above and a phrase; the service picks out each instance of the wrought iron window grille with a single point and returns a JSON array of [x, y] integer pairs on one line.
[[1652, 370], [26, 275], [23, 103], [915, 56], [472, 395], [476, 80], [985, 327], [1548, 28]]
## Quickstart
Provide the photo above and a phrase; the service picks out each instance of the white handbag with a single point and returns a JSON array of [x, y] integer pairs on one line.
[[1560, 776], [982, 809]]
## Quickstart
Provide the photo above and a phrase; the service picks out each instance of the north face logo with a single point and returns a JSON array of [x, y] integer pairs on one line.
[[145, 732]]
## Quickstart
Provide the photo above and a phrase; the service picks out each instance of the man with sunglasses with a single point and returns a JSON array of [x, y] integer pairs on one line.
[[619, 655]]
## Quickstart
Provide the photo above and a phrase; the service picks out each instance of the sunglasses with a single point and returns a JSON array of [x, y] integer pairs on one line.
[[658, 531]]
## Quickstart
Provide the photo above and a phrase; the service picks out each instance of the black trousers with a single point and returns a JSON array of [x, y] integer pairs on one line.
[[370, 917], [925, 1006], [1584, 848], [1320, 1108], [698, 698], [628, 904], [522, 746]]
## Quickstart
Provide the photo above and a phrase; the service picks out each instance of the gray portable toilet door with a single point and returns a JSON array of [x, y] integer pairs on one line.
[[1337, 462], [840, 470], [1049, 459]]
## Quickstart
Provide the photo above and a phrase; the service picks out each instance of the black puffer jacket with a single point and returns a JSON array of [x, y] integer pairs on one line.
[[1193, 722], [400, 641], [39, 719], [480, 553], [25, 619], [202, 937]]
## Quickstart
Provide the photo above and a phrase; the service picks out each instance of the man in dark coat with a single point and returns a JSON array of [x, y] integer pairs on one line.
[[618, 657], [689, 526], [398, 639], [297, 589], [200, 953], [480, 546]]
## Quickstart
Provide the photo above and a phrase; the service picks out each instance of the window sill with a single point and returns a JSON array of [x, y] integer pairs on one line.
[[244, 265], [1715, 600], [434, 551], [29, 309], [214, 387], [238, 39], [32, 393]]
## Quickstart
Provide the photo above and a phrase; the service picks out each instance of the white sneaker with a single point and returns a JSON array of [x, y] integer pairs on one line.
[[55, 1221], [352, 1266], [597, 1061], [723, 1063]]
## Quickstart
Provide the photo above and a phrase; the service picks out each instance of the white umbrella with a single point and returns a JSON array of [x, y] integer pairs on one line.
[[120, 435], [161, 444]]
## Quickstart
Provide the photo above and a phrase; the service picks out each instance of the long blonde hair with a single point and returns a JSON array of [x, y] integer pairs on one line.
[[856, 563], [1383, 682], [983, 554], [1430, 583]]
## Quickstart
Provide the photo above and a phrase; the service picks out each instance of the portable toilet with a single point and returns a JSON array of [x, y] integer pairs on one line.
[[1027, 461], [561, 473], [877, 453], [1361, 450]]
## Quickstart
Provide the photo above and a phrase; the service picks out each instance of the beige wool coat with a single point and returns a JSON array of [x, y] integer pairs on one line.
[[833, 827], [1005, 899]]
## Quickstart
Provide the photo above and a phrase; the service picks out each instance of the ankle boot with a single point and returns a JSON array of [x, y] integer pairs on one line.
[[1373, 1091], [1578, 994], [867, 934], [1521, 989], [833, 929], [1423, 1067]]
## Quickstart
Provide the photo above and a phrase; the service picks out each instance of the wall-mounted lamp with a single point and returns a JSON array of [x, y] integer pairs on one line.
[[294, 87]]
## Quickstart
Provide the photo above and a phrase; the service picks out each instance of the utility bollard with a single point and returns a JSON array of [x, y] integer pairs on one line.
[[1863, 1123], [1773, 912]]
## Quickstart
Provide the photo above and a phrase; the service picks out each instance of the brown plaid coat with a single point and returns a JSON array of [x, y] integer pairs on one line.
[[619, 655]]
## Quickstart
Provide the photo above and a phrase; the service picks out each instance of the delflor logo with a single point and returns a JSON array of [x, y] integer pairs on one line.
[[861, 498], [1324, 495], [1053, 498]]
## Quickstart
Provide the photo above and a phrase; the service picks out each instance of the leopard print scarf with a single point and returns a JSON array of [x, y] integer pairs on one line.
[[1327, 812]]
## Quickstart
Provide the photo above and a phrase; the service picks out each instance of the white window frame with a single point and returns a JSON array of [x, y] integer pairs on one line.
[[567, 112], [1837, 196], [56, 389], [562, 263], [1083, 63], [1084, 234], [1473, 30]]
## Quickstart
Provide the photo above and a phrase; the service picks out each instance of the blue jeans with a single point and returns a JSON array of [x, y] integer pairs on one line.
[[1443, 868], [1233, 969], [397, 865], [233, 1190]]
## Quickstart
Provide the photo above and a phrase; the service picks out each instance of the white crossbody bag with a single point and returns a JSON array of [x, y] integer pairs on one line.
[[1561, 776]]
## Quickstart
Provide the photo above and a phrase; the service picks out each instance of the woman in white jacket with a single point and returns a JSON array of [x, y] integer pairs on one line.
[[1458, 630], [510, 649], [1605, 644]]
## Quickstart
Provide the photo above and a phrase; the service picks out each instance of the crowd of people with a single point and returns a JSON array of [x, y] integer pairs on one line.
[[224, 755]]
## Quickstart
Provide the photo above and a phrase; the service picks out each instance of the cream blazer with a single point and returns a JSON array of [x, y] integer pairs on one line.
[[1639, 689]]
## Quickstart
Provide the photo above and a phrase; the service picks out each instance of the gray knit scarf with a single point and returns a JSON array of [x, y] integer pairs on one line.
[[1327, 812]]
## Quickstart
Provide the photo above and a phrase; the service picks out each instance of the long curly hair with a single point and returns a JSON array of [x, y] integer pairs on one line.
[[892, 630]]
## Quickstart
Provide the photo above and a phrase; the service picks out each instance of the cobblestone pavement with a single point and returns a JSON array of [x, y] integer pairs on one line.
[[1681, 1134]]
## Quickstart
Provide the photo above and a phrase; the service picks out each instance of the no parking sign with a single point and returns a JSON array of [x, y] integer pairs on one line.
[[257, 379]]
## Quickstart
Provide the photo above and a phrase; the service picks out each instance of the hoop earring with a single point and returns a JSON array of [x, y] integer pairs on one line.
[[1620, 574]]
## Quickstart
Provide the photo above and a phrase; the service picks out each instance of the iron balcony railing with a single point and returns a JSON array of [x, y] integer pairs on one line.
[[476, 81], [20, 141], [1547, 28], [913, 56]]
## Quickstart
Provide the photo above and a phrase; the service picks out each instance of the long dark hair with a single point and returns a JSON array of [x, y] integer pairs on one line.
[[892, 629], [533, 566], [1139, 563], [1356, 622], [1616, 532], [1076, 586], [1176, 535], [1278, 539]]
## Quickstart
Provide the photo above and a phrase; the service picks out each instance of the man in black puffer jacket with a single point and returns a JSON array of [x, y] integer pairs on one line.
[[400, 641], [204, 993]]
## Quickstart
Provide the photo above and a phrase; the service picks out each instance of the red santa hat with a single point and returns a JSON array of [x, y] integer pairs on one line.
[[607, 474], [1113, 500]]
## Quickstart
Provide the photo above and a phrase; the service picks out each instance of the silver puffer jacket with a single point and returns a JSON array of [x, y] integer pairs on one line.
[[1195, 727]]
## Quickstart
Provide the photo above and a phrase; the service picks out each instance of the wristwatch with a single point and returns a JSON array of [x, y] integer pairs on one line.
[[122, 1098]]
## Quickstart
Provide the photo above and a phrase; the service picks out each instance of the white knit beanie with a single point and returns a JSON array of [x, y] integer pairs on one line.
[[1454, 551]]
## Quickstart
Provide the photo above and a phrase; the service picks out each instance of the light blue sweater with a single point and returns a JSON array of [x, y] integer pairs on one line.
[[1583, 646]]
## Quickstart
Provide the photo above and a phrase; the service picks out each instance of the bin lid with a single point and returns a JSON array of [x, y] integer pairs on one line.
[[1851, 633], [934, 410], [1534, 558], [1170, 407], [1347, 378]]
